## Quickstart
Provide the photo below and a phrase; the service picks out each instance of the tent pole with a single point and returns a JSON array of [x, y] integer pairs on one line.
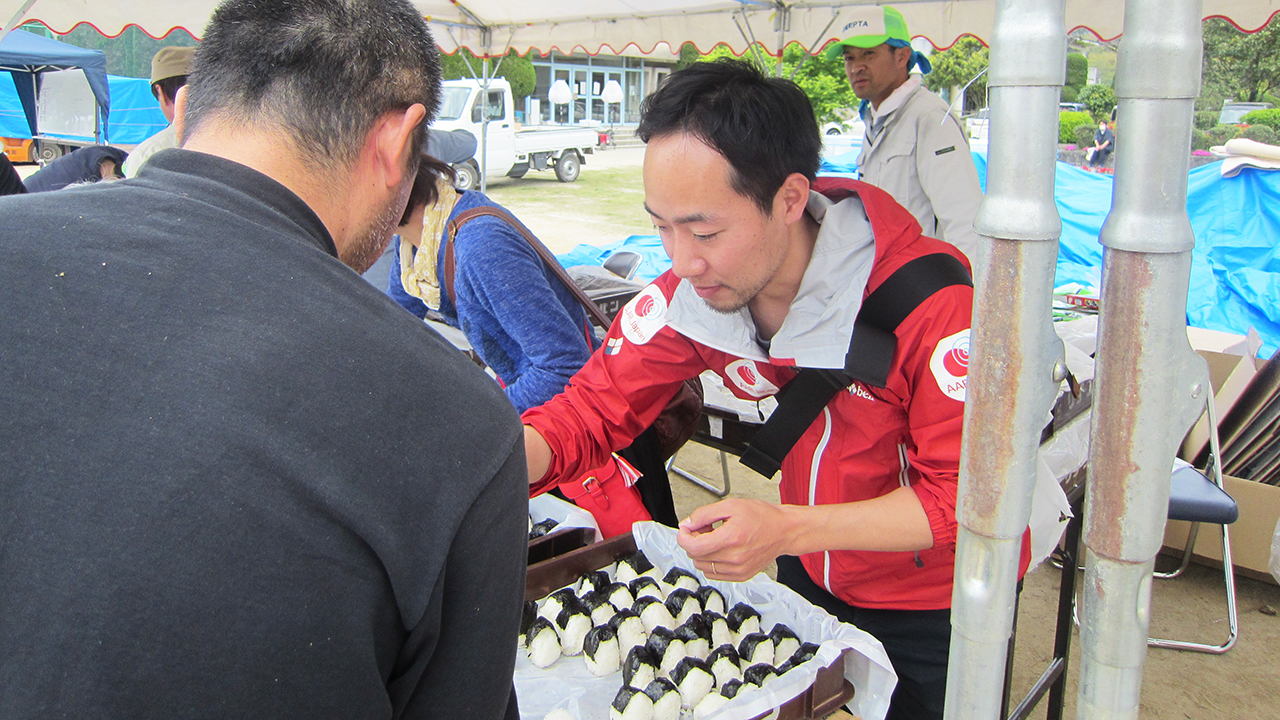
[[16, 19], [782, 23], [1016, 359], [1149, 386], [487, 38]]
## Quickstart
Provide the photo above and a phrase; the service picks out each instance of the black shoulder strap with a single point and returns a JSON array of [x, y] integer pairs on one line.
[[869, 359]]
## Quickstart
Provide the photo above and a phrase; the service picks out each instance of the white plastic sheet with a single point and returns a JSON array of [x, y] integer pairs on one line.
[[566, 515], [568, 685]]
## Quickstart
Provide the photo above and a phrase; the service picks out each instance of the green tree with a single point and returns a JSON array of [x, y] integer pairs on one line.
[[688, 55], [822, 79], [515, 69], [1099, 99], [1077, 76], [1240, 66], [956, 66], [1068, 121]]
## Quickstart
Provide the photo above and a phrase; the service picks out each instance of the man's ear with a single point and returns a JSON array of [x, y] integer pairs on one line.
[[792, 197], [392, 142], [902, 57], [180, 115]]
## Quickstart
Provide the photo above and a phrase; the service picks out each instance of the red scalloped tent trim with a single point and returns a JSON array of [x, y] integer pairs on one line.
[[650, 51], [167, 33]]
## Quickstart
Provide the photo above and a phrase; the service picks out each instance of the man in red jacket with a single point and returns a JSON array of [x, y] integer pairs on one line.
[[770, 267]]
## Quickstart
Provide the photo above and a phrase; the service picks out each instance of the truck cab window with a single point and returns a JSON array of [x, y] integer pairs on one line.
[[497, 109], [453, 101]]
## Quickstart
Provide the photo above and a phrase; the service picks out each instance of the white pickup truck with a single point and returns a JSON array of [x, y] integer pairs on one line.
[[511, 152]]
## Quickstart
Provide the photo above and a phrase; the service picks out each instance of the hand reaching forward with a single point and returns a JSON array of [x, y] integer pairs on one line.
[[751, 534]]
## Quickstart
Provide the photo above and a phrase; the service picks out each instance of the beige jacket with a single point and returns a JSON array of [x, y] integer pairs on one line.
[[162, 140], [918, 153]]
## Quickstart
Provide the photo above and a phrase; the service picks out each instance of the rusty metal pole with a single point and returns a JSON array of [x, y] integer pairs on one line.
[[1016, 361], [1149, 386]]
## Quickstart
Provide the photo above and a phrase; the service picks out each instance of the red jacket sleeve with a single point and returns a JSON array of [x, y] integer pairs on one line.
[[934, 341], [616, 395]]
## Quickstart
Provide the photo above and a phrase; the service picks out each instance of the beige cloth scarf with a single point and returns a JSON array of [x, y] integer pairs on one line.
[[419, 278]]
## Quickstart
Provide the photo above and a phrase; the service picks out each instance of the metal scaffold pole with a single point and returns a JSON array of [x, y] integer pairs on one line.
[[1149, 386], [1016, 359]]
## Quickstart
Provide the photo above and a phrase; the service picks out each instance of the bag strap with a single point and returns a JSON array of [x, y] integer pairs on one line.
[[869, 359], [593, 311]]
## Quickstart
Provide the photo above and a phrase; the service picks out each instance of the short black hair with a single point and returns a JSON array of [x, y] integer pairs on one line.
[[425, 191], [324, 70], [168, 87], [763, 126]]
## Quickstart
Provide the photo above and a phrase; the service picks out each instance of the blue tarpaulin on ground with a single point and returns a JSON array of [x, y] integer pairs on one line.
[[1235, 271]]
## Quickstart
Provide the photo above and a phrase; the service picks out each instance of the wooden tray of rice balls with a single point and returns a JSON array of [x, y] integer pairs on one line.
[[627, 629], [557, 527]]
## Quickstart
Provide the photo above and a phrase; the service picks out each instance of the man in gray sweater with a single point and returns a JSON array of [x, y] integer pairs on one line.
[[914, 148]]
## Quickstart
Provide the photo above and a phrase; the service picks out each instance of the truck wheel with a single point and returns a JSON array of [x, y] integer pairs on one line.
[[47, 151], [467, 176], [568, 167]]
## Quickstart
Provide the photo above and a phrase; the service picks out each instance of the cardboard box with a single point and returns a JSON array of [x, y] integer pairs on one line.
[[1233, 361], [1250, 535]]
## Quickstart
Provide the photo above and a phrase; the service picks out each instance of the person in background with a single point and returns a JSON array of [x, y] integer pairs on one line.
[[10, 181], [205, 511], [169, 70], [1103, 141], [520, 319], [516, 314], [770, 267], [914, 148], [91, 164]]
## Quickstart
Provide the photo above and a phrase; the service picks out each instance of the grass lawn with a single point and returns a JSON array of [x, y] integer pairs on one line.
[[604, 205]]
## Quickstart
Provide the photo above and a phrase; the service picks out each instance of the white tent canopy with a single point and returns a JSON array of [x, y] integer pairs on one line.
[[611, 25]]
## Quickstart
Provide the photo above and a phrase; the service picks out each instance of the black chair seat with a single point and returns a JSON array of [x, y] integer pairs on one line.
[[1195, 498]]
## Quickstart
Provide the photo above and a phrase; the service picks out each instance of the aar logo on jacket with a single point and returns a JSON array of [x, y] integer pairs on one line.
[[950, 365], [644, 316], [746, 375]]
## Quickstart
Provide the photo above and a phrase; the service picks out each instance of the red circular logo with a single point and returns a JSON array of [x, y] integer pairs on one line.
[[956, 361], [645, 306], [748, 375]]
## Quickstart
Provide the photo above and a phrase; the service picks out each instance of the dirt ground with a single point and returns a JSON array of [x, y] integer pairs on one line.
[[1243, 684]]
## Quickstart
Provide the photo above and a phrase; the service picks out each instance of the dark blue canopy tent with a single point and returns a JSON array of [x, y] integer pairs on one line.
[[26, 55]]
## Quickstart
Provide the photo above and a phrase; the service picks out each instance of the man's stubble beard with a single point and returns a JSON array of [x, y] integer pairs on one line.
[[368, 244]]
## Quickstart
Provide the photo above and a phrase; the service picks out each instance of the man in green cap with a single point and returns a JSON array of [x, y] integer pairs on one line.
[[169, 70], [914, 148]]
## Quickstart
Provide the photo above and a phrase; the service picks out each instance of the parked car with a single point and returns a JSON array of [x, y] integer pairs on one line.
[[1072, 107], [510, 152], [854, 127], [1233, 111]]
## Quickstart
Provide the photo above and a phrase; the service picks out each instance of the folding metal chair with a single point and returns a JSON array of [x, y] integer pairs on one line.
[[724, 474], [1195, 498], [623, 263]]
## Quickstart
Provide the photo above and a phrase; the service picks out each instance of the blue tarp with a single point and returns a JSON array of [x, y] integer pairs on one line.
[[135, 113], [1235, 271]]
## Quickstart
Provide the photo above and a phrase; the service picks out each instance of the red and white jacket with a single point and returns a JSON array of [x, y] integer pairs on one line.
[[867, 441]]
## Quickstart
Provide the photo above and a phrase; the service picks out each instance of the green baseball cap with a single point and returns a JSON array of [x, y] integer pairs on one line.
[[871, 26]]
